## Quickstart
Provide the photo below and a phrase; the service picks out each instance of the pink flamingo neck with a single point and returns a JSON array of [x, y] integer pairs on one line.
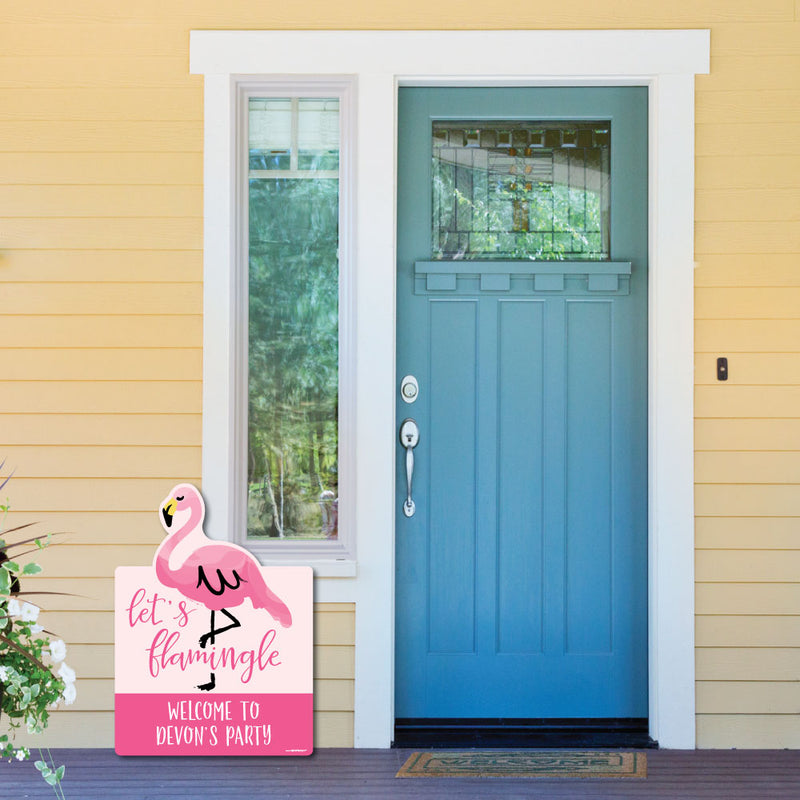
[[169, 544]]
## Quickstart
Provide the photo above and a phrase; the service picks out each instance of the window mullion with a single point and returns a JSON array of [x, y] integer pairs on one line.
[[295, 136]]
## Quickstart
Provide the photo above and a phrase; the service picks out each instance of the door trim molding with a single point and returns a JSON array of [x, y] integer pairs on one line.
[[665, 62]]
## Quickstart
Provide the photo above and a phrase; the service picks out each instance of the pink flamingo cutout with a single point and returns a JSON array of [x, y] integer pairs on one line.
[[220, 575]]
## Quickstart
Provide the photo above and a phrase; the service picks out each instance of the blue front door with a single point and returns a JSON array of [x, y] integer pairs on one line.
[[521, 310]]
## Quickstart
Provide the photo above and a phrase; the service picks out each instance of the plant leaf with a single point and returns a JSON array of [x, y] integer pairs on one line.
[[20, 527], [32, 539], [14, 646], [26, 552], [40, 765], [60, 772], [31, 569], [8, 478]]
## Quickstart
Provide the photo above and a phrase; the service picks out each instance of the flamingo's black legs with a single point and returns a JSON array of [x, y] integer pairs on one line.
[[211, 635], [207, 687]]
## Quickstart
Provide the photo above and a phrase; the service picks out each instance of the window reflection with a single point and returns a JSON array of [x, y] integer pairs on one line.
[[513, 190], [293, 318]]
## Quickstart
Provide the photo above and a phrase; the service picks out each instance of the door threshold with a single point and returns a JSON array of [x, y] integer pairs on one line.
[[534, 733]]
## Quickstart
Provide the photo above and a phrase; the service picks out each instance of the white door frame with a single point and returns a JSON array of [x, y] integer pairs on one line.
[[664, 61]]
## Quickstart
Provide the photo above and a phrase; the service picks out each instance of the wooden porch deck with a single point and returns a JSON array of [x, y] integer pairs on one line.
[[346, 774]]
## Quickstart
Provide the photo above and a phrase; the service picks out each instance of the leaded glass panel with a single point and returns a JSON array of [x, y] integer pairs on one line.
[[521, 190]]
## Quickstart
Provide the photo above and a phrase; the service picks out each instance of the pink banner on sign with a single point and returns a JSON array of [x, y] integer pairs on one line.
[[205, 725]]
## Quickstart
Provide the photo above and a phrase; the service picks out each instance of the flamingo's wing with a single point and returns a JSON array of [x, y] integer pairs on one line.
[[223, 569], [220, 582], [263, 597]]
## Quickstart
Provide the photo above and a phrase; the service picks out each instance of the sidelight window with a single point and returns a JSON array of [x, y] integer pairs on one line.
[[293, 172]]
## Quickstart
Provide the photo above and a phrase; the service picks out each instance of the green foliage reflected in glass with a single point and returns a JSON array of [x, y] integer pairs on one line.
[[518, 190], [293, 358]]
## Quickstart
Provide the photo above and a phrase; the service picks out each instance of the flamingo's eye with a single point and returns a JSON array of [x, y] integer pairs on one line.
[[179, 498]]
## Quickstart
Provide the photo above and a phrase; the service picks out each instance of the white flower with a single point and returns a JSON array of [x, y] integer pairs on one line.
[[70, 693], [58, 650], [22, 754], [66, 673], [14, 608], [29, 612], [37, 628], [3, 673]]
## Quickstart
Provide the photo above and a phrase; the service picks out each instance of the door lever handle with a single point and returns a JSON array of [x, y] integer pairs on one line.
[[409, 438]]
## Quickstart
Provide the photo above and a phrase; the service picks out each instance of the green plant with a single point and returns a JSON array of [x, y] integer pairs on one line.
[[52, 775], [34, 677]]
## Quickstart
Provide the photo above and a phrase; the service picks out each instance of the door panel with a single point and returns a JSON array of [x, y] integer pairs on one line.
[[520, 446], [521, 578], [588, 479], [453, 473]]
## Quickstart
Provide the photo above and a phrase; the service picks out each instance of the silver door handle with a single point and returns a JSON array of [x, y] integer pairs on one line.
[[409, 438]]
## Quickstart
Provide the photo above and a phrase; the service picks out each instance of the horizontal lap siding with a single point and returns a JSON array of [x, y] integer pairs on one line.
[[747, 460], [101, 224], [748, 429], [101, 327]]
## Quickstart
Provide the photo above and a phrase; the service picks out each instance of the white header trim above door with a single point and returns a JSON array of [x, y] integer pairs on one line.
[[492, 55], [665, 62]]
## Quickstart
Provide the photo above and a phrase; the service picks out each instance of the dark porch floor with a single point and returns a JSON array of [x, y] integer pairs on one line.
[[683, 775]]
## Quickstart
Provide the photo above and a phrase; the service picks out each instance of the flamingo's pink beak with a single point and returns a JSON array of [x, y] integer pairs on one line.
[[168, 512]]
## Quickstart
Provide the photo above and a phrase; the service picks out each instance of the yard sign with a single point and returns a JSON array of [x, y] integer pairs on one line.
[[213, 652]]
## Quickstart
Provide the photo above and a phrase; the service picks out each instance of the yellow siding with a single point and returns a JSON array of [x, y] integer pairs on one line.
[[744, 434], [746, 401], [748, 429], [101, 266], [47, 330], [749, 269], [88, 267], [752, 697], [748, 663], [731, 631], [746, 533], [89, 201], [752, 369], [764, 205], [102, 169], [748, 598], [759, 731]]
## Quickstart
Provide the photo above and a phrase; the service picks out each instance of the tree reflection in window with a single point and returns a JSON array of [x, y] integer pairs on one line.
[[519, 190], [293, 319]]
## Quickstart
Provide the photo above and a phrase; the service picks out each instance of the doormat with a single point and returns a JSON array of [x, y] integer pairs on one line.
[[525, 764]]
